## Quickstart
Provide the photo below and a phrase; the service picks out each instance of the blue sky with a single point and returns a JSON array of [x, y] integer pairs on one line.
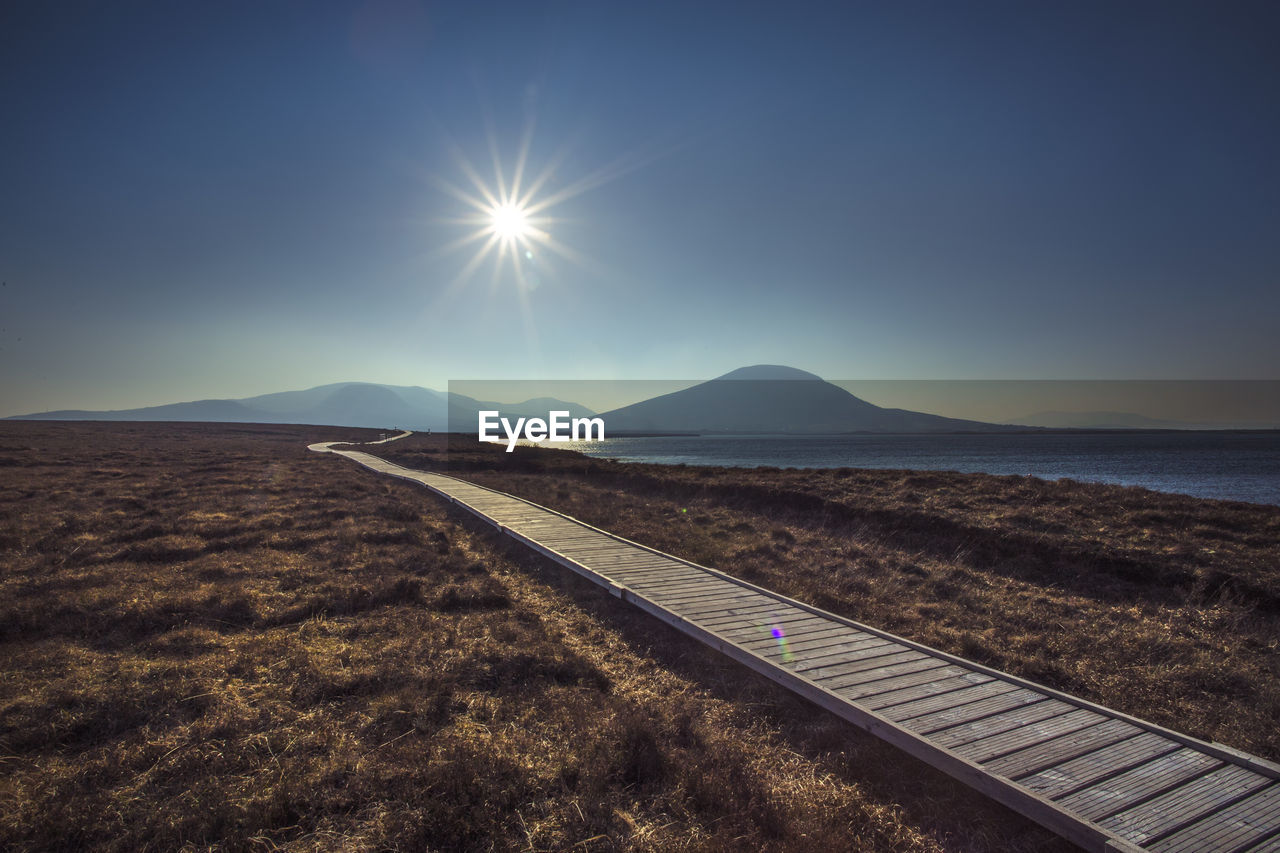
[[225, 199]]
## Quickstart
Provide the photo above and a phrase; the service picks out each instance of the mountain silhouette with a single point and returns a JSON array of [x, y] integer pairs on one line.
[[771, 398], [763, 398], [354, 404]]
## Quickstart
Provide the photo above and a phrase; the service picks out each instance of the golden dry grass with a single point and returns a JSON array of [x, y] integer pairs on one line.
[[1163, 606], [216, 640]]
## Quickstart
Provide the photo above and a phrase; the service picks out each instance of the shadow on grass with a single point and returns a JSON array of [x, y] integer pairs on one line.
[[928, 797]]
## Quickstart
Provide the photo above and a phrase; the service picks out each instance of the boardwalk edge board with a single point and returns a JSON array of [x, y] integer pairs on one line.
[[1042, 810]]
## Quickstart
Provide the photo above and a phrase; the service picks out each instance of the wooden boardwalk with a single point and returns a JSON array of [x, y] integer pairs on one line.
[[1103, 780]]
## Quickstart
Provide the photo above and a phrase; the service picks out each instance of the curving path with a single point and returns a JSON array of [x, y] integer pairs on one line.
[[1103, 780]]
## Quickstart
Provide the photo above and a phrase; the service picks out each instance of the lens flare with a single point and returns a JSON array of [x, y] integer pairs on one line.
[[781, 636]]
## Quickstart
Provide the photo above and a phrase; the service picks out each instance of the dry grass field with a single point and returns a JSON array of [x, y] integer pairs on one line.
[[1163, 606], [213, 639]]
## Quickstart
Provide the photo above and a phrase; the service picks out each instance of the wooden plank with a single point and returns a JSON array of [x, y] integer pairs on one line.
[[673, 579], [1119, 792], [636, 575], [707, 607], [1028, 735], [779, 654], [552, 531], [873, 669], [769, 614], [699, 607], [620, 552], [1188, 802], [1062, 749], [758, 628], [1269, 845], [747, 622], [729, 613], [801, 649], [823, 648], [634, 569], [1063, 779], [768, 622], [691, 593], [724, 611], [634, 562], [936, 713], [550, 520], [1021, 715], [842, 662], [549, 530], [611, 563], [1239, 825], [911, 676], [673, 583], [550, 527], [750, 637], [601, 548], [590, 546], [783, 649], [847, 663], [754, 604], [676, 588], [820, 632], [932, 688], [563, 534], [516, 523], [682, 604]]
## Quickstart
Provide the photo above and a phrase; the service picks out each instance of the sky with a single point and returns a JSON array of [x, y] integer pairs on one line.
[[225, 199]]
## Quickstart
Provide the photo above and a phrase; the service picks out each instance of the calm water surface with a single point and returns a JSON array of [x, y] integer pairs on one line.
[[1229, 466]]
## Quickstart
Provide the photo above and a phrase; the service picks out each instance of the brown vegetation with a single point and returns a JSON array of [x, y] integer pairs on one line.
[[1163, 606], [214, 639]]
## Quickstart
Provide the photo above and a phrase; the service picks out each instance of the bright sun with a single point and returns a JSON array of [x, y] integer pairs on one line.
[[508, 218], [509, 221]]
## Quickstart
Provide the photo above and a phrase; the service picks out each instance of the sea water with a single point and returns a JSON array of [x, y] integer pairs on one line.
[[1227, 466]]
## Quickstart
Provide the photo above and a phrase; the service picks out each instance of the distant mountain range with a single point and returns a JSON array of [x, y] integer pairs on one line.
[[353, 404], [759, 399], [770, 398]]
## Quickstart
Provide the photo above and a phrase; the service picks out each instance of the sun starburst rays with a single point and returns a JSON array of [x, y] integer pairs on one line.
[[509, 221]]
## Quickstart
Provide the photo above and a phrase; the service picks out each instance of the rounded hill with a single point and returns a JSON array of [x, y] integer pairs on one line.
[[770, 372]]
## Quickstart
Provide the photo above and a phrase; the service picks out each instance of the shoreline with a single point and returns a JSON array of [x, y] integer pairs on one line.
[[1245, 467]]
